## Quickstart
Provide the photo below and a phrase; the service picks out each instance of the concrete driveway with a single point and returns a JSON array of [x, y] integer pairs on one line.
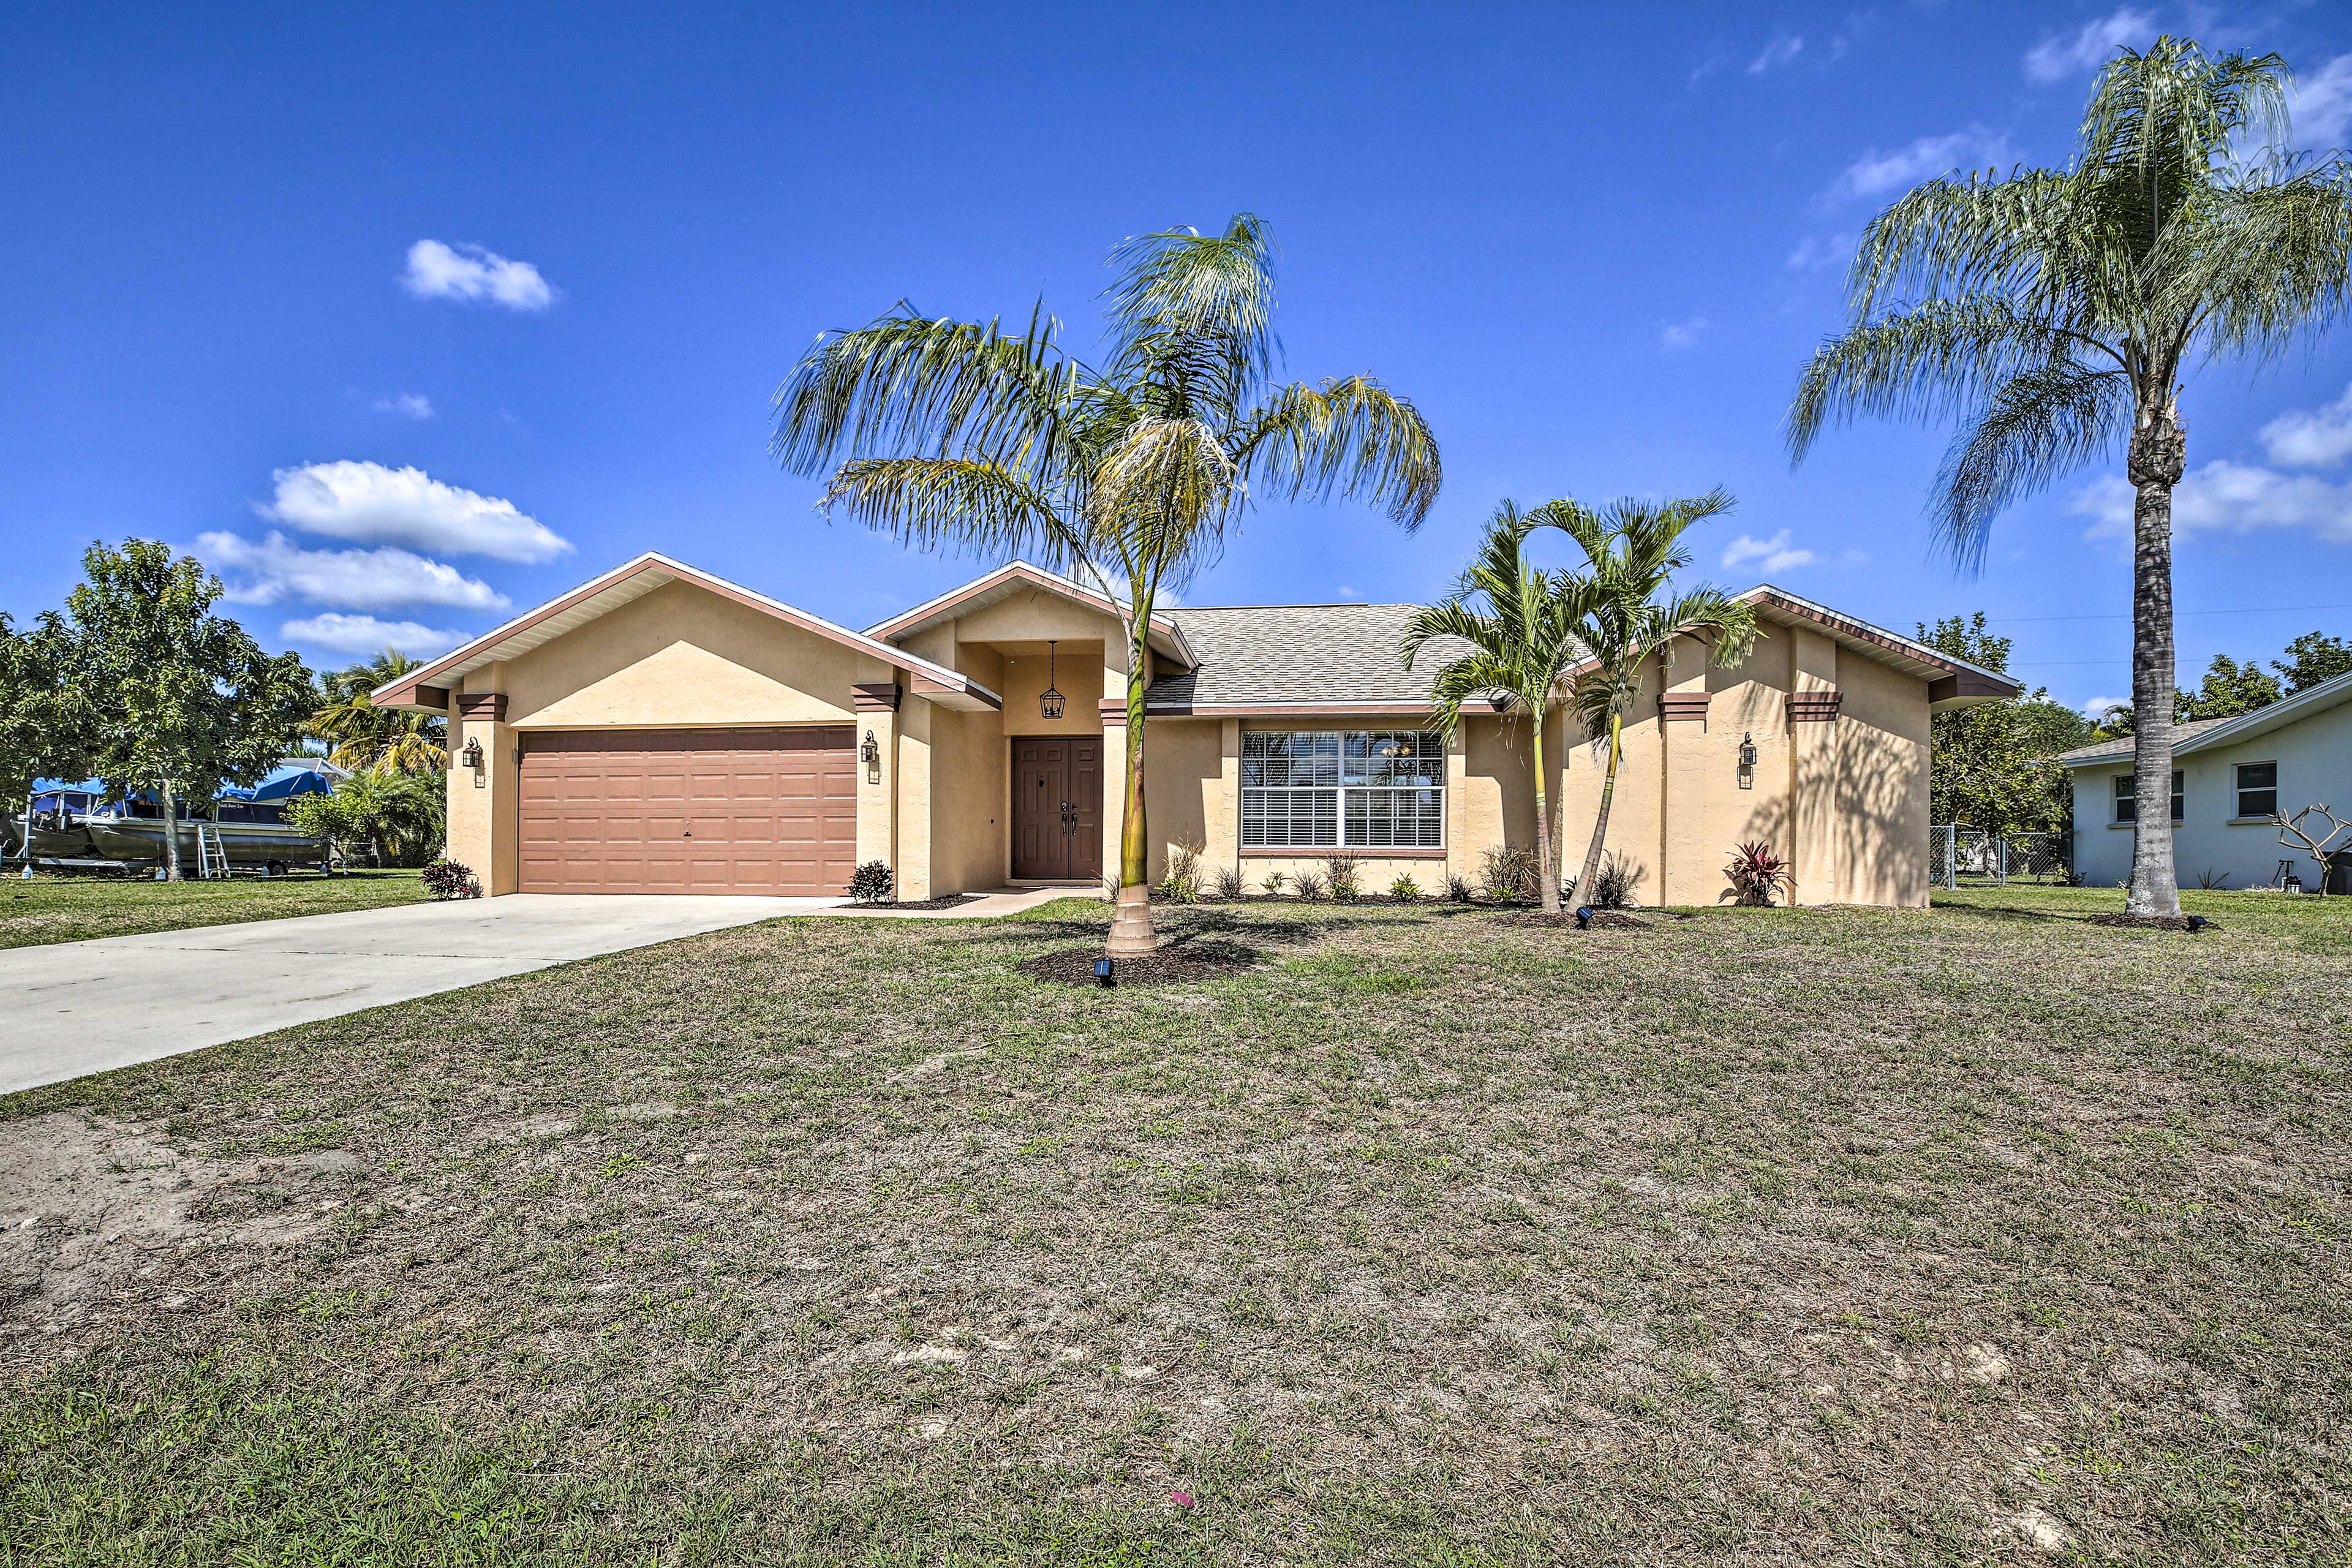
[[77, 1007]]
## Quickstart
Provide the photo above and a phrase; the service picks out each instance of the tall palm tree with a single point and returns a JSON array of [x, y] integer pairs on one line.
[[1129, 473], [368, 738], [2056, 311], [1632, 550], [1522, 646]]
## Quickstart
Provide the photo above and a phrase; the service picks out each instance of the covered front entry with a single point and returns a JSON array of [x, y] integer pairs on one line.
[[1057, 809], [688, 811]]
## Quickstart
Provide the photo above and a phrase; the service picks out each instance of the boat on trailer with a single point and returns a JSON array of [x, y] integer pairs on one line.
[[75, 826]]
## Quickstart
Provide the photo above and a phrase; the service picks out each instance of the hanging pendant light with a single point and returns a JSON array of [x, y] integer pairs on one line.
[[1049, 701]]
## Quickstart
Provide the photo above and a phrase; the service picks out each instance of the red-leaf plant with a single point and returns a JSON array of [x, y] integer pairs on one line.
[[1756, 873]]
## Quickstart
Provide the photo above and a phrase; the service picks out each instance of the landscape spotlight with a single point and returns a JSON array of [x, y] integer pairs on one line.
[[1102, 972], [1584, 917]]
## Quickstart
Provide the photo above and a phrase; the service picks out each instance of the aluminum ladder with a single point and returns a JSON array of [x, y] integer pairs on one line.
[[212, 855]]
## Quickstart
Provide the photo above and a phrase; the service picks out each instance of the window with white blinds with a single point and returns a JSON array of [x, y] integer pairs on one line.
[[1355, 789]]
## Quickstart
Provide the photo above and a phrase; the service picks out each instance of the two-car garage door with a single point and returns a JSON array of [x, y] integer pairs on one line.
[[690, 811]]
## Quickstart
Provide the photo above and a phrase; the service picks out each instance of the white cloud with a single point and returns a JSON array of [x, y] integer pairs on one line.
[[409, 405], [365, 634], [2095, 710], [1815, 251], [2323, 105], [1683, 334], [1783, 49], [469, 272], [1876, 173], [2058, 58], [1773, 554], [2313, 437], [275, 569], [2225, 497], [371, 504]]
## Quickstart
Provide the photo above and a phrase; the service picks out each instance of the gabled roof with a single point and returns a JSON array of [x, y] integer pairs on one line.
[[2203, 734], [1342, 658], [1167, 639], [427, 686]]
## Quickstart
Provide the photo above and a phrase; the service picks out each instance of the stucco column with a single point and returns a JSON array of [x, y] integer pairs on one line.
[[1114, 766], [1813, 766], [485, 819], [1458, 850], [913, 768], [1226, 821], [877, 703], [1684, 861]]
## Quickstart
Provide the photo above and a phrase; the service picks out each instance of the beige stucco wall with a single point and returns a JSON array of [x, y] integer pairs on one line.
[[1880, 815], [970, 844]]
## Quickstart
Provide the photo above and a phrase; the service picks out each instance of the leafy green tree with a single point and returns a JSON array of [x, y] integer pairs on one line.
[[2229, 689], [367, 738], [45, 727], [1628, 615], [2313, 657], [180, 701], [1521, 648], [2058, 311], [1132, 474], [1992, 766]]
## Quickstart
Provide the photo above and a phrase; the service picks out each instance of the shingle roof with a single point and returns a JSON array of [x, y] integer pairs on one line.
[[2121, 746], [1299, 655]]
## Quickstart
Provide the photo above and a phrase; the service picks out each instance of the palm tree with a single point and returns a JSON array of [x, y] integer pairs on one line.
[[1521, 648], [1631, 549], [368, 738], [2057, 311], [960, 433]]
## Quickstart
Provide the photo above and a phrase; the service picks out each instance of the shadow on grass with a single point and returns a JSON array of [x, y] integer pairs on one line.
[[2011, 912]]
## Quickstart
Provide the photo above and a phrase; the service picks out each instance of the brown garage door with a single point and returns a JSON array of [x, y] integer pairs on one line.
[[688, 811]]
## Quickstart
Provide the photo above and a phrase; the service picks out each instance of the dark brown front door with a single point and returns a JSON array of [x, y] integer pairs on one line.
[[1057, 809]]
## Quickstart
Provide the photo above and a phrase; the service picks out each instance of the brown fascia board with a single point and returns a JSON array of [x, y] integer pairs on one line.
[[1987, 686], [1475, 707], [410, 694], [941, 677], [1967, 685]]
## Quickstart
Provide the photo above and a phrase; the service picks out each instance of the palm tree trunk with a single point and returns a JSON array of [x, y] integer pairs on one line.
[[171, 835], [1545, 874], [1131, 933], [1585, 878], [2159, 452]]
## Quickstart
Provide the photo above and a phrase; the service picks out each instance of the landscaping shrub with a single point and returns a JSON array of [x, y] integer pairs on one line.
[[1277, 883], [1613, 885], [1310, 887], [1756, 874], [446, 879], [1340, 872], [1457, 888], [1181, 882], [1512, 875], [1230, 884], [1404, 889], [873, 883]]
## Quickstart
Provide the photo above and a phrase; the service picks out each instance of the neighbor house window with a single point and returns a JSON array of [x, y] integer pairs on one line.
[[1356, 789], [2257, 789], [2128, 797]]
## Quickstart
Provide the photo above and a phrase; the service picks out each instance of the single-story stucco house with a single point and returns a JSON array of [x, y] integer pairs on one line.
[[661, 729], [2233, 774]]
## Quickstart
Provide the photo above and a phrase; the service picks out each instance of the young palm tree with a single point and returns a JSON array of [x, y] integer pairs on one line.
[[1631, 549], [1521, 648], [369, 738], [2057, 311], [960, 433]]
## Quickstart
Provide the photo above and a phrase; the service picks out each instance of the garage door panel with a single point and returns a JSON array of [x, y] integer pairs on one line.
[[750, 811]]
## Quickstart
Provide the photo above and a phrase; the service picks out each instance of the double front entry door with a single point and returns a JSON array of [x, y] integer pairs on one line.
[[1058, 788]]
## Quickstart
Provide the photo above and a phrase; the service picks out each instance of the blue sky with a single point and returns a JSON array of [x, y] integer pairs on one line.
[[264, 263]]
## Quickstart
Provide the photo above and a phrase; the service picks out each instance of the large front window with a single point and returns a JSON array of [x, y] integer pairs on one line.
[[1356, 789]]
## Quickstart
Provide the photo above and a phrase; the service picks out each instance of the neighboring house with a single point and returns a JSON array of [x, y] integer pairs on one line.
[[660, 729], [2232, 775]]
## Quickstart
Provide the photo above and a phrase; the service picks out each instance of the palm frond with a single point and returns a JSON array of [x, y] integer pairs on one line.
[[1926, 362], [936, 502], [2035, 428], [1351, 436], [1179, 286]]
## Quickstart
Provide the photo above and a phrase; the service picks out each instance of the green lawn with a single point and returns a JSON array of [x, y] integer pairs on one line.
[[1756, 1236], [75, 909]]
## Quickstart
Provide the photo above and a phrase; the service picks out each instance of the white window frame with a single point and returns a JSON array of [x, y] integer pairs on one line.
[[2240, 789], [2128, 796], [1337, 792]]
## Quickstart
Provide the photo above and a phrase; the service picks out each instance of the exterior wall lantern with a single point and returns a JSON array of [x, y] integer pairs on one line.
[[1747, 761], [870, 753], [1049, 701], [472, 757]]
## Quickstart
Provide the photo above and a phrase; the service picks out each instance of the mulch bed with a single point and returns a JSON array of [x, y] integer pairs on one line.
[[1602, 919], [946, 901], [2152, 922], [1179, 963]]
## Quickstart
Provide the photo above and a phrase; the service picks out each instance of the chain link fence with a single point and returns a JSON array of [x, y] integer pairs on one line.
[[1957, 855]]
